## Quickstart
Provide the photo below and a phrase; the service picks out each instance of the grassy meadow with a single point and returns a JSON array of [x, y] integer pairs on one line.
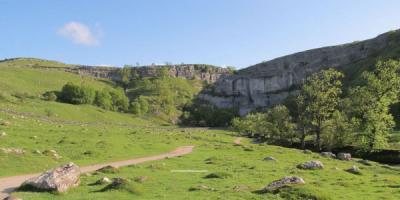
[[86, 135]]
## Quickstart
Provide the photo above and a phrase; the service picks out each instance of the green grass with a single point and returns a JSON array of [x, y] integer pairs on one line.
[[86, 135]]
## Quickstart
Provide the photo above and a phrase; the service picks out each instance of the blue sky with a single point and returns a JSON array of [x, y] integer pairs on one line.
[[221, 32]]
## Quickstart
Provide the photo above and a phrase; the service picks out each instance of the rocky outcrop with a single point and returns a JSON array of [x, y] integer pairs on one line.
[[207, 73], [269, 83], [59, 179]]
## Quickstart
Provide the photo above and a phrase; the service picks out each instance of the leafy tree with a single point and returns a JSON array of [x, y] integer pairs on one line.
[[104, 99], [120, 101], [135, 108], [77, 94], [280, 125], [371, 103], [126, 75], [320, 98], [338, 131]]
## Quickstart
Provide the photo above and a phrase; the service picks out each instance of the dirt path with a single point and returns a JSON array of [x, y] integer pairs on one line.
[[8, 184]]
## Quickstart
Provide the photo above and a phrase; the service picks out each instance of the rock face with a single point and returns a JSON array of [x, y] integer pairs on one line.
[[207, 73], [59, 179], [288, 180], [269, 83], [315, 164]]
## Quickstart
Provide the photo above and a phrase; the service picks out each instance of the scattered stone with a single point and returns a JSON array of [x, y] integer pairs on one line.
[[141, 179], [34, 137], [315, 164], [104, 180], [37, 152], [354, 170], [59, 179], [16, 151], [5, 123], [365, 162], [288, 180], [2, 134], [201, 187], [270, 158], [328, 154], [52, 153], [344, 156], [239, 188], [306, 151]]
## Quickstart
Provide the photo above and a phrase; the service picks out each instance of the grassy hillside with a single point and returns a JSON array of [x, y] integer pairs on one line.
[[86, 134]]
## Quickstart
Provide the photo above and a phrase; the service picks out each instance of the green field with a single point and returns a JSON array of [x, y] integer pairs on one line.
[[86, 135]]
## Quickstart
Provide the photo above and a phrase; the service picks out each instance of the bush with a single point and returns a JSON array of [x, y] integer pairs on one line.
[[119, 101], [205, 115], [103, 100], [76, 94]]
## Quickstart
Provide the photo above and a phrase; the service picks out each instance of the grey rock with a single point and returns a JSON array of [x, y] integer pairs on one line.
[[328, 154], [306, 151], [59, 179], [288, 180], [354, 170], [270, 158], [315, 164], [2, 134], [344, 156]]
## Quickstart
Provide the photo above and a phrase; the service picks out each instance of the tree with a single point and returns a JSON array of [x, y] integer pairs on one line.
[[104, 99], [371, 102], [318, 99], [126, 75], [280, 125], [120, 101], [337, 131]]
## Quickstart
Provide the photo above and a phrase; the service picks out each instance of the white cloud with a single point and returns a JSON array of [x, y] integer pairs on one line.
[[79, 33]]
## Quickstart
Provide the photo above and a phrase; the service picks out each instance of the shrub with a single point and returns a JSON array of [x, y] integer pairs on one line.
[[119, 100], [76, 94], [103, 100]]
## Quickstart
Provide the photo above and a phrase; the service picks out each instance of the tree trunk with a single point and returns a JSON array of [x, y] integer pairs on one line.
[[303, 138]]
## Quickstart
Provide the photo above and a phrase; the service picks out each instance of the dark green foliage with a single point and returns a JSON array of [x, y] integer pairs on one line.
[[104, 100], [77, 94], [108, 99], [273, 126], [162, 96], [120, 102], [300, 193], [207, 115]]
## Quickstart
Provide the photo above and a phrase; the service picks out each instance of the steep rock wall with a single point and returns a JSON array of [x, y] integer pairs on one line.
[[269, 83]]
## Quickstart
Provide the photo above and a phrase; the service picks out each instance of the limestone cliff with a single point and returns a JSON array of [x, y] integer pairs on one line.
[[207, 73], [269, 83]]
